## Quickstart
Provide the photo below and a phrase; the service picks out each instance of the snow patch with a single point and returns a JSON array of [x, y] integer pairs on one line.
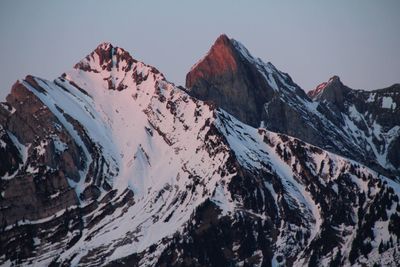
[[387, 102]]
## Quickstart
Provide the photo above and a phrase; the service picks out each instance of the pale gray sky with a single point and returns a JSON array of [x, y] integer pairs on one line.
[[359, 40]]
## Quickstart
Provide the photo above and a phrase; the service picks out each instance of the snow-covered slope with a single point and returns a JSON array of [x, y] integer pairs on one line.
[[152, 141], [284, 210], [111, 164]]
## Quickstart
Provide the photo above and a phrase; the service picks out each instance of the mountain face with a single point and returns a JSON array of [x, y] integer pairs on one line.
[[370, 117], [112, 165], [334, 117]]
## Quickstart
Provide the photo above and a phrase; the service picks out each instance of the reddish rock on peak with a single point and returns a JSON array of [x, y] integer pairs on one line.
[[228, 78], [218, 61], [315, 92], [333, 84], [332, 91]]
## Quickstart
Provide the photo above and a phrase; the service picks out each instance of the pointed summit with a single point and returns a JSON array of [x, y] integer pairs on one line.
[[333, 92], [233, 79], [223, 39], [105, 57], [115, 67], [315, 93], [225, 77], [335, 82], [333, 86], [104, 46], [334, 78], [219, 60]]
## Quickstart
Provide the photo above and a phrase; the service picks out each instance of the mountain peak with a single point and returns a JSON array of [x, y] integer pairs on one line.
[[335, 80], [104, 46], [238, 82], [115, 67], [223, 39], [331, 87], [112, 165], [104, 57], [219, 60], [333, 92]]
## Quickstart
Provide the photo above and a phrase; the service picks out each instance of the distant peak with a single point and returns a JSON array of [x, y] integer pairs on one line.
[[333, 91], [223, 39], [334, 83], [224, 55], [334, 79]]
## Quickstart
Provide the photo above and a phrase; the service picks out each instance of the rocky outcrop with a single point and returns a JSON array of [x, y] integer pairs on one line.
[[10, 157], [39, 158], [47, 155], [333, 92]]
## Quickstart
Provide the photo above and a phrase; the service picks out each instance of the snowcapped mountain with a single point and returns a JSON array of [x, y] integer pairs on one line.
[[110, 164]]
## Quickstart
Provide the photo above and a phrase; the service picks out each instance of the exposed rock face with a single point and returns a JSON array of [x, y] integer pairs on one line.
[[37, 188], [9, 155], [220, 60], [231, 82], [258, 94], [39, 156]]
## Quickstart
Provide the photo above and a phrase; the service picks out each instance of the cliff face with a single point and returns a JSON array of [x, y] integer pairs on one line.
[[231, 82], [46, 156]]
